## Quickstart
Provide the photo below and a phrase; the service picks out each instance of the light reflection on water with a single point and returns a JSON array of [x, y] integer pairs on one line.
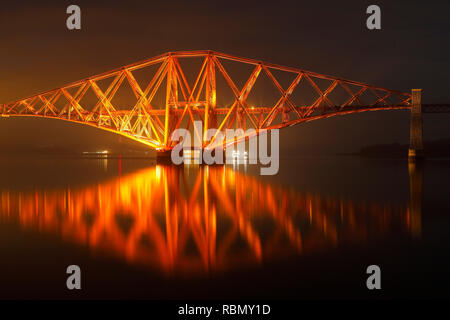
[[204, 219]]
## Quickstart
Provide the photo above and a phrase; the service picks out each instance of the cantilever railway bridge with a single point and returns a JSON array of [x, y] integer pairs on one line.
[[193, 94]]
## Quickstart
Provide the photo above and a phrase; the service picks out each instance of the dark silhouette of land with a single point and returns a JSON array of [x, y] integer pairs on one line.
[[432, 149], [76, 150]]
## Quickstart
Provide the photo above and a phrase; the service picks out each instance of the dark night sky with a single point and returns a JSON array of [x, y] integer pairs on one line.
[[410, 51]]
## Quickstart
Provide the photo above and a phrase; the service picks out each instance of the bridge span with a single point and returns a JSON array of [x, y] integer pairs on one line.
[[221, 91]]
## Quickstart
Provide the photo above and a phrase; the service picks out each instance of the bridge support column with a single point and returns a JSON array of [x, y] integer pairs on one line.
[[164, 157], [416, 135]]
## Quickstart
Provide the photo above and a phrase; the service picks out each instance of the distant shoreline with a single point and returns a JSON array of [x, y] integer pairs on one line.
[[432, 149]]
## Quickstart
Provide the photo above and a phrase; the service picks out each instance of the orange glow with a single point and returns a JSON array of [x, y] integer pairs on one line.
[[211, 219], [144, 121]]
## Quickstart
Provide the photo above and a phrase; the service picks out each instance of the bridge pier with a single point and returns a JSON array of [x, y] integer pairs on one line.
[[163, 157], [195, 156], [416, 134]]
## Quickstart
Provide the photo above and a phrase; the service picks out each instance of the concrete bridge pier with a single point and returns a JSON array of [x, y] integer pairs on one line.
[[416, 134], [196, 156], [163, 157]]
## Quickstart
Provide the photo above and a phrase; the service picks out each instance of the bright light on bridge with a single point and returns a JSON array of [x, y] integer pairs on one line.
[[201, 100]]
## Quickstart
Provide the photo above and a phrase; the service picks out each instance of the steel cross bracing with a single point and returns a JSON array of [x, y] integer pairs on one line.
[[152, 122]]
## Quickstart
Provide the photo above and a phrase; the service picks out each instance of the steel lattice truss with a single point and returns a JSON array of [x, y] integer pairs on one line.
[[151, 122]]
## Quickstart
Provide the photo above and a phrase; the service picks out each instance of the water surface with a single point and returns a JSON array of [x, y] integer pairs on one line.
[[142, 230]]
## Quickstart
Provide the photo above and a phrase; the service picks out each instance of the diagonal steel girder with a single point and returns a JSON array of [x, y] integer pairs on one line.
[[152, 122]]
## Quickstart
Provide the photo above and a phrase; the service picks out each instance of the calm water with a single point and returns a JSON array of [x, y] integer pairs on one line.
[[141, 230]]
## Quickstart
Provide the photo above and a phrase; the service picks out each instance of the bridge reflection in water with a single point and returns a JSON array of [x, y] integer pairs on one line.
[[204, 219]]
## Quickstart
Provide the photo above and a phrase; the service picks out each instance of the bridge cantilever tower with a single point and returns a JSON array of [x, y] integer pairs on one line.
[[222, 91], [416, 134]]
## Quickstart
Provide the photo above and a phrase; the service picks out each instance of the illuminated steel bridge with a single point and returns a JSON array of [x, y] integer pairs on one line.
[[176, 89]]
